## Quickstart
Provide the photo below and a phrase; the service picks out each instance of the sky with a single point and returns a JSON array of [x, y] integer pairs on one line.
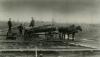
[[62, 11]]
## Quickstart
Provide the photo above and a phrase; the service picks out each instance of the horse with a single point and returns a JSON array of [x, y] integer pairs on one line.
[[69, 30]]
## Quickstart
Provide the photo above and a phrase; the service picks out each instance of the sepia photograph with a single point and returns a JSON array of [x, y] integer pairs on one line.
[[49, 28]]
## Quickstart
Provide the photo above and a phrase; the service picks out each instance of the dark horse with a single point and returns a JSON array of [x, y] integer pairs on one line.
[[69, 30]]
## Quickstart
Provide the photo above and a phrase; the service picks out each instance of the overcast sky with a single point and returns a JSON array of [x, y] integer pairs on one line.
[[78, 11]]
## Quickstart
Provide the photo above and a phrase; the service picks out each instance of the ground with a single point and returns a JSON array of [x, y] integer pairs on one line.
[[52, 54]]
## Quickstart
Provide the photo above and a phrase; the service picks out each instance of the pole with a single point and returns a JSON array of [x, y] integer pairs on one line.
[[36, 52], [52, 21]]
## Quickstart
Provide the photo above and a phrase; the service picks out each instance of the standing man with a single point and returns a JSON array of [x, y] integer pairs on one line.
[[20, 29], [9, 24], [32, 23]]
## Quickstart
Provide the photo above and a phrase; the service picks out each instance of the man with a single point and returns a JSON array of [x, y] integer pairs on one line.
[[9, 24], [32, 23], [20, 29]]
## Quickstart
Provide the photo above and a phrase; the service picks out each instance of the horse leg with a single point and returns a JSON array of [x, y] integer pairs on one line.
[[68, 36], [60, 36], [7, 33], [73, 36], [64, 36], [46, 36]]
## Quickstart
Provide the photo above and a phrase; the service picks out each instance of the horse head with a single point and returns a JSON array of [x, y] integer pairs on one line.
[[79, 28]]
